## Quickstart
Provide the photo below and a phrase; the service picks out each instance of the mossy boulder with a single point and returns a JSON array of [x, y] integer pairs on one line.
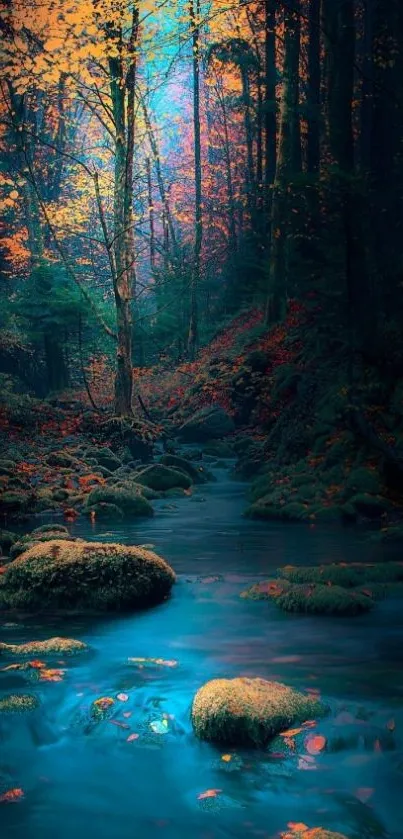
[[160, 477], [198, 474], [363, 480], [105, 457], [85, 576], [207, 424], [7, 540], [46, 534], [102, 708], [53, 646], [340, 574], [219, 448], [323, 600], [370, 506], [127, 498], [14, 501], [105, 512], [267, 508], [249, 712], [18, 703], [62, 459]]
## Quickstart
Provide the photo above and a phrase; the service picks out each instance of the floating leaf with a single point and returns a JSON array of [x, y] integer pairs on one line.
[[226, 758], [391, 725], [119, 724], [132, 737], [123, 697], [209, 793], [12, 795]]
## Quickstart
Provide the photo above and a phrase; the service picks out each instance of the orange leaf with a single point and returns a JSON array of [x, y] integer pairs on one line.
[[291, 732], [209, 793], [12, 795], [315, 744], [132, 737]]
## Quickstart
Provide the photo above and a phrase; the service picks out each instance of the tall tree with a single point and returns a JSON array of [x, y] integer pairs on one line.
[[288, 138], [194, 14]]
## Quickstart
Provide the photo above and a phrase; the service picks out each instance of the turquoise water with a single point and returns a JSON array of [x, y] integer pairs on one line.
[[83, 778]]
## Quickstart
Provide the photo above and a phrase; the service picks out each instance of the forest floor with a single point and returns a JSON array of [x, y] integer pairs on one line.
[[252, 394]]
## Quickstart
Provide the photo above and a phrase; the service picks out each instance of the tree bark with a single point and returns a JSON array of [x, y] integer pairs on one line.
[[193, 337], [313, 95]]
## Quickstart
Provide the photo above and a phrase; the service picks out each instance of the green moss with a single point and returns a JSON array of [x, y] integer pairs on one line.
[[60, 494], [209, 423], [323, 600], [18, 703], [128, 499], [160, 478], [38, 535], [53, 646], [266, 590], [197, 473], [85, 575], [249, 712]]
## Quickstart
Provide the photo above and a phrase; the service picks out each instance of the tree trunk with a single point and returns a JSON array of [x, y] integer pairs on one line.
[[270, 118], [277, 293], [194, 11], [313, 96]]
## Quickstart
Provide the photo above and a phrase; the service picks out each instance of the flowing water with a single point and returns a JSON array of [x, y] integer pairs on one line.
[[83, 778]]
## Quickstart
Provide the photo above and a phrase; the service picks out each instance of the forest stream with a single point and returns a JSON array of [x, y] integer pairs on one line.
[[141, 772]]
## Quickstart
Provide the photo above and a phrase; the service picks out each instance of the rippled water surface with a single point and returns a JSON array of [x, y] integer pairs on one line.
[[82, 778]]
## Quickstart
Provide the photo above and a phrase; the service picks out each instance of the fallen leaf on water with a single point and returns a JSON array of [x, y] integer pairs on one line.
[[123, 697], [377, 746], [226, 758], [127, 714], [47, 675], [391, 725], [132, 737], [291, 732], [209, 793], [161, 662], [12, 795], [364, 794], [119, 724], [290, 742], [315, 744]]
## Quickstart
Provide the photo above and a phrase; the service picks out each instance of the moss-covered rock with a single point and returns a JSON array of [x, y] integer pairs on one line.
[[128, 498], [7, 540], [18, 703], [46, 534], [249, 712], [105, 457], [370, 506], [363, 480], [323, 600], [265, 508], [104, 512], [160, 477], [102, 708], [14, 501], [85, 575], [207, 424], [340, 574], [219, 448], [266, 590], [198, 474], [53, 646], [62, 459]]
